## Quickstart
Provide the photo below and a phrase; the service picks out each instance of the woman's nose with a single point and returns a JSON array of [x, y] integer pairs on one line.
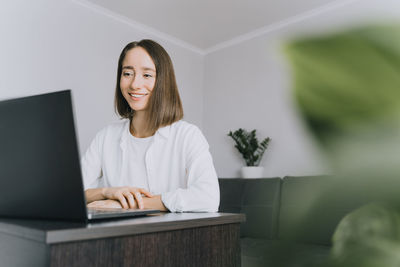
[[137, 82]]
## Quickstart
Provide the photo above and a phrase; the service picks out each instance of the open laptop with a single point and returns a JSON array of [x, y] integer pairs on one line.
[[40, 173]]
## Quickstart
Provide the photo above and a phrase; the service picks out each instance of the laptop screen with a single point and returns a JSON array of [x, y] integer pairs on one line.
[[40, 175]]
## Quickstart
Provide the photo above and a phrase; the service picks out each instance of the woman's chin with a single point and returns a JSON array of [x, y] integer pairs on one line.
[[138, 108]]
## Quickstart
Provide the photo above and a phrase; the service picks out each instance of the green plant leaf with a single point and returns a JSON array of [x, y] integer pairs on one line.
[[248, 146], [346, 80]]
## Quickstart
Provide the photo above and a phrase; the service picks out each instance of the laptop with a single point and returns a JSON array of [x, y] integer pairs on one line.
[[40, 172]]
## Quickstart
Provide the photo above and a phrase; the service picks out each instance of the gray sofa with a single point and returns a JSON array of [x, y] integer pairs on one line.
[[289, 221]]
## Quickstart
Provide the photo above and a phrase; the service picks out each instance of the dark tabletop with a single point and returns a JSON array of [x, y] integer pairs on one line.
[[61, 231]]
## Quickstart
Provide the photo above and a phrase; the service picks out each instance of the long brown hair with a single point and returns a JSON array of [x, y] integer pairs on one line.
[[164, 106]]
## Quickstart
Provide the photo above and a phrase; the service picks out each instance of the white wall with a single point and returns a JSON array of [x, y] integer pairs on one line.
[[51, 45], [247, 85]]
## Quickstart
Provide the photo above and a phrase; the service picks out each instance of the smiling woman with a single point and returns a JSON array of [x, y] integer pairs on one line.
[[152, 159], [137, 79]]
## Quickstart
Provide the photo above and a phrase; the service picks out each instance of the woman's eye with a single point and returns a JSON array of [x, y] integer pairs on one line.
[[127, 74], [147, 75]]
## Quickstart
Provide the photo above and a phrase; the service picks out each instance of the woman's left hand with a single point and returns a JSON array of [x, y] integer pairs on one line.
[[108, 203]]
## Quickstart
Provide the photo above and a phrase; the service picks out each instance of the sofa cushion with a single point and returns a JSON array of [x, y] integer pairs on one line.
[[258, 199], [260, 203], [262, 252], [231, 192], [298, 196]]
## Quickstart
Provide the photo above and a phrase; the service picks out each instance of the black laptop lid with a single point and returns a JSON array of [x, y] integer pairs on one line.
[[40, 175]]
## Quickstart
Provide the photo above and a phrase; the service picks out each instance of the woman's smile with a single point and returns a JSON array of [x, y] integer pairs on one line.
[[137, 96]]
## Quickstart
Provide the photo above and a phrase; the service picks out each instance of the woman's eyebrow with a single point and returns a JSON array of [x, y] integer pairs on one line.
[[148, 68], [144, 68]]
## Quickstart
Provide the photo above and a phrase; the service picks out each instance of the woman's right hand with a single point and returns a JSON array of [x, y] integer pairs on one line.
[[129, 197]]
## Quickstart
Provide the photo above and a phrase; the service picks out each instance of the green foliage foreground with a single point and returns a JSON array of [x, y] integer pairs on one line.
[[344, 82], [347, 86]]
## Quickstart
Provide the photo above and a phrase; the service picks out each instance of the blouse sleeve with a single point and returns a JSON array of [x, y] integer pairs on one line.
[[91, 163], [202, 192]]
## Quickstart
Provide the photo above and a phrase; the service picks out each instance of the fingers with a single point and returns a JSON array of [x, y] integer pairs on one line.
[[122, 200], [131, 201], [139, 199], [109, 203], [95, 204], [138, 195], [145, 192], [129, 197]]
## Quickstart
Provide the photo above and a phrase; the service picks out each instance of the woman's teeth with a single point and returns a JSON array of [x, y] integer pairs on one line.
[[137, 96]]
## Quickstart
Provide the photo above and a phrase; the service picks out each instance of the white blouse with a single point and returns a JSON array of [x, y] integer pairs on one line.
[[136, 156], [178, 163]]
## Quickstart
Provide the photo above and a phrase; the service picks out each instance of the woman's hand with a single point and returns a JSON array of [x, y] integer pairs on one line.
[[108, 203], [154, 202], [128, 197]]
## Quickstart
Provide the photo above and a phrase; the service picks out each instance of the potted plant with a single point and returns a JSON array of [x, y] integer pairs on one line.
[[251, 150]]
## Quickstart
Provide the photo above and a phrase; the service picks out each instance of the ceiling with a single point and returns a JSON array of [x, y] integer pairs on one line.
[[205, 24]]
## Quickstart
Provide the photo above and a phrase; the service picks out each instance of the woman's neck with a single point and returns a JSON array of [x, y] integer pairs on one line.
[[139, 125]]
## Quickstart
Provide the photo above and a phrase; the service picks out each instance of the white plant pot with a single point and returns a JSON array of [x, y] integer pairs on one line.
[[252, 172]]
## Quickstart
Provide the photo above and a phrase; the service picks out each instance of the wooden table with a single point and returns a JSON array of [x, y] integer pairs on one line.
[[164, 239]]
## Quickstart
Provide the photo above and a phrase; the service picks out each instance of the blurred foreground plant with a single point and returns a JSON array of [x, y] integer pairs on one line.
[[347, 87]]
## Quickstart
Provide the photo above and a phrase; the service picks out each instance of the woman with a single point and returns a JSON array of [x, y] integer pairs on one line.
[[152, 159]]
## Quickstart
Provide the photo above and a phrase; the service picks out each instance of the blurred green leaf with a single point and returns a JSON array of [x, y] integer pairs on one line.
[[346, 80]]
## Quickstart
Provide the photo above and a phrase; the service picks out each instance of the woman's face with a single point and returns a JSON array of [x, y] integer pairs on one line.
[[137, 78]]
